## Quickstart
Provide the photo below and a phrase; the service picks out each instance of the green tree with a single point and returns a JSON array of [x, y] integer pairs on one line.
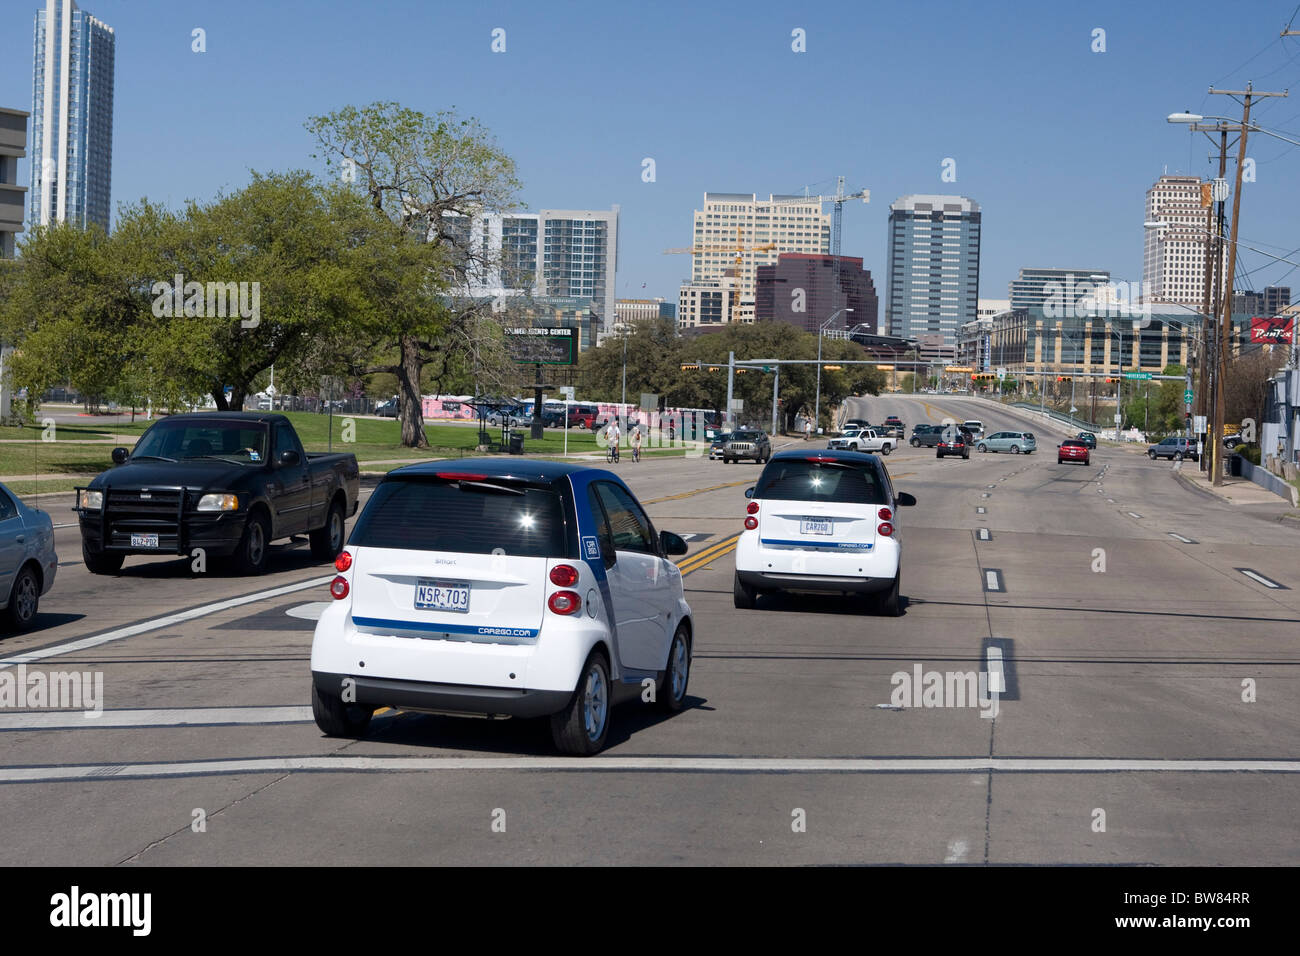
[[431, 176]]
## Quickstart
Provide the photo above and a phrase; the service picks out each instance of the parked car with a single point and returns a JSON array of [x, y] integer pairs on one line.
[[953, 440], [1174, 447], [1073, 449], [387, 409], [821, 522], [1088, 438], [865, 440], [583, 416], [227, 482], [753, 445], [500, 413], [720, 440], [1014, 442], [486, 587], [27, 560]]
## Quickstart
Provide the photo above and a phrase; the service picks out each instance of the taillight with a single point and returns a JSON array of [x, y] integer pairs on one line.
[[343, 561], [564, 602], [751, 508], [339, 588], [566, 576], [751, 523], [885, 529], [884, 514]]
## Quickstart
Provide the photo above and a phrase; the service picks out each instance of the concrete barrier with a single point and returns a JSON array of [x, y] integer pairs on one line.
[[1267, 480]]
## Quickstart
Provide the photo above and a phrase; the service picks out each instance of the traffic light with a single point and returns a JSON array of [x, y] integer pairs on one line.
[[1065, 378], [833, 368], [690, 367], [741, 371]]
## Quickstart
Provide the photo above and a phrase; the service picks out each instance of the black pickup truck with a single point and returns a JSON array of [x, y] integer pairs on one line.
[[229, 483]]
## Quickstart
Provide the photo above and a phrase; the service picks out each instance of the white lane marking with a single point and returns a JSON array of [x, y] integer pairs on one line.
[[993, 667], [985, 495], [1133, 514], [157, 623], [308, 612], [652, 764], [979, 511], [991, 581], [957, 850], [70, 524], [62, 719], [994, 486], [1110, 501], [1254, 575], [985, 534], [1181, 538]]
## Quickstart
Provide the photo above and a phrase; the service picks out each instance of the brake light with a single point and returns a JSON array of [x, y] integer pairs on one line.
[[566, 576], [343, 561], [751, 523], [885, 529], [459, 476], [339, 588], [884, 514], [564, 602], [751, 508]]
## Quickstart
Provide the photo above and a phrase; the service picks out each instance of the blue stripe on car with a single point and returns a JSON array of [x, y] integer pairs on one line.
[[832, 546], [427, 628]]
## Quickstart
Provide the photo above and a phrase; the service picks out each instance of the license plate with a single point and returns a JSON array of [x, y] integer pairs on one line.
[[815, 526], [442, 596], [144, 541]]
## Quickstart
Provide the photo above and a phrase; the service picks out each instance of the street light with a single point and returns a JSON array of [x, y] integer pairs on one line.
[[817, 402]]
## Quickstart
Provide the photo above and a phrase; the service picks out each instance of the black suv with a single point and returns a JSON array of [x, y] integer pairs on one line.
[[954, 440]]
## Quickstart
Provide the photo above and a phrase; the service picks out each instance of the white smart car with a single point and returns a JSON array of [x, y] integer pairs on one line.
[[503, 588], [823, 521]]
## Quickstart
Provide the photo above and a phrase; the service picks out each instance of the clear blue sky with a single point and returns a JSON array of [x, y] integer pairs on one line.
[[1058, 144]]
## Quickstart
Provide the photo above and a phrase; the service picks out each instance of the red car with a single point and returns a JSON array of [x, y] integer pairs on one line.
[[1073, 449]]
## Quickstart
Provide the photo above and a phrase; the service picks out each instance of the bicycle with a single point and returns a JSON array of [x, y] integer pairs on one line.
[[611, 454], [636, 453]]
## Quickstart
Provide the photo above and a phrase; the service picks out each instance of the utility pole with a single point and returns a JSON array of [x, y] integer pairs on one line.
[[731, 377], [1225, 331], [776, 389]]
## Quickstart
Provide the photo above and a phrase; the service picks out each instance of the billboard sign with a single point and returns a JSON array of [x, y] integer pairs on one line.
[[543, 346], [1275, 330]]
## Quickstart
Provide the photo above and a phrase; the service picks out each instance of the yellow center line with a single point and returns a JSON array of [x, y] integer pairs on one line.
[[698, 491], [698, 560]]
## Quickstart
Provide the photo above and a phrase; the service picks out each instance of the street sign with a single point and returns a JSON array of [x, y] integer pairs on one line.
[[567, 391], [1187, 396], [1140, 376], [1219, 190], [1118, 418], [1002, 373], [1199, 426], [542, 346]]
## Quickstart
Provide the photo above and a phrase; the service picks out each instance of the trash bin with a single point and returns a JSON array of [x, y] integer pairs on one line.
[[1234, 466], [516, 444]]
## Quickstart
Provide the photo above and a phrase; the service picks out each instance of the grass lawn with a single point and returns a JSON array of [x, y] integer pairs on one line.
[[374, 440]]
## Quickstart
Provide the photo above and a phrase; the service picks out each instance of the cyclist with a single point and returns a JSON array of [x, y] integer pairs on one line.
[[611, 433], [636, 442]]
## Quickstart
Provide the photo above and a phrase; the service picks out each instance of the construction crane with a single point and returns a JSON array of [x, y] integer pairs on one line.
[[739, 249], [839, 198]]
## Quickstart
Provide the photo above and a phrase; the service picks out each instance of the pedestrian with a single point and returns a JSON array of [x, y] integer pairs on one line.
[[807, 428], [636, 442]]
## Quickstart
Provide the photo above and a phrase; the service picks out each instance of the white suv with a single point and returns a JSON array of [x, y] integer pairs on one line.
[[485, 586], [824, 521]]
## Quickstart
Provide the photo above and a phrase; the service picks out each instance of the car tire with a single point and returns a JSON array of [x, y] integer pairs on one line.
[[588, 710], [983, 448], [938, 454], [327, 542], [677, 672], [915, 443], [24, 600], [884, 450], [966, 455], [254, 544], [1151, 455], [336, 718], [887, 603], [742, 596], [1015, 449], [102, 562], [1178, 456], [1060, 460]]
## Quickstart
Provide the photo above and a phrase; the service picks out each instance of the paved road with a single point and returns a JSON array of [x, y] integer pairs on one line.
[[1123, 696]]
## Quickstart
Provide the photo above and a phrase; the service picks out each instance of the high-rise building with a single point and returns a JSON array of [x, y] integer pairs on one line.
[[703, 305], [934, 265], [1174, 255], [1062, 288], [638, 310], [13, 147], [1276, 298], [800, 289], [569, 254], [731, 221], [72, 110]]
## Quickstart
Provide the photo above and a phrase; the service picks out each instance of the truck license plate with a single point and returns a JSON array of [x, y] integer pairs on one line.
[[441, 596], [144, 541], [815, 526]]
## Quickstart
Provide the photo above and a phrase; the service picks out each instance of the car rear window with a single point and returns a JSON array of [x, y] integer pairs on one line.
[[423, 513], [797, 479], [1073, 443]]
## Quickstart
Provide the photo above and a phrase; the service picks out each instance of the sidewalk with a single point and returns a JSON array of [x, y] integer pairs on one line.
[[1235, 491]]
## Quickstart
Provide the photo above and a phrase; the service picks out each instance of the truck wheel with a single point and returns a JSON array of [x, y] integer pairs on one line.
[[337, 719], [24, 599], [581, 727], [327, 542], [885, 450], [102, 562], [250, 556]]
